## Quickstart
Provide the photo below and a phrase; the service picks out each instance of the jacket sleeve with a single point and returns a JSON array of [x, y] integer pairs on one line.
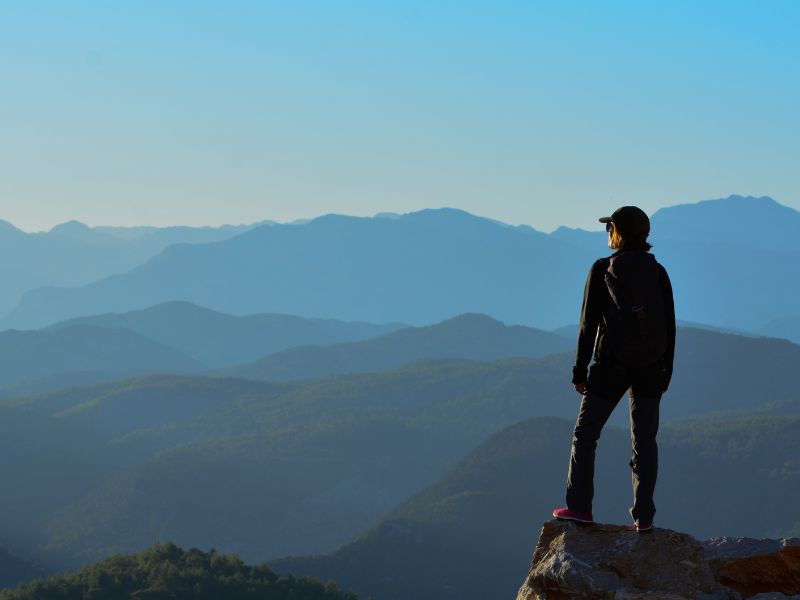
[[669, 307], [591, 313]]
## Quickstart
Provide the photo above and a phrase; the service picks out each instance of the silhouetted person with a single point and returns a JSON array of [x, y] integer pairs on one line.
[[628, 325]]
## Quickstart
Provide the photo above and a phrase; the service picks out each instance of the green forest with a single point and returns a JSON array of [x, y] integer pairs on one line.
[[166, 571]]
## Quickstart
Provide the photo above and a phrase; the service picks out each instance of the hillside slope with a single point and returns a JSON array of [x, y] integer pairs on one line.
[[216, 339], [300, 467], [468, 336], [470, 535], [30, 355]]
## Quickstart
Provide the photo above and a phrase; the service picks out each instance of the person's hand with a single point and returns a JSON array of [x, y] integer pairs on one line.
[[580, 388]]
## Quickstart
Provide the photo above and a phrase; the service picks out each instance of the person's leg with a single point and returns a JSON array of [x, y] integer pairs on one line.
[[644, 404], [605, 388], [594, 413]]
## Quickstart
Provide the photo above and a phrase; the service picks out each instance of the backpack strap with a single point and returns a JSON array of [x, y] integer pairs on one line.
[[617, 290]]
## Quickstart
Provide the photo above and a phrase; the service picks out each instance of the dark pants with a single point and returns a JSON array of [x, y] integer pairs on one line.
[[606, 385]]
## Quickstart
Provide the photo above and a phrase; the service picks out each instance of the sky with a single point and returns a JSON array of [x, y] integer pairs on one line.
[[543, 113]]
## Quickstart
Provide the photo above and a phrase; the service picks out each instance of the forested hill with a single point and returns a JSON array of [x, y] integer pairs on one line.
[[150, 458], [467, 536], [469, 336], [167, 571]]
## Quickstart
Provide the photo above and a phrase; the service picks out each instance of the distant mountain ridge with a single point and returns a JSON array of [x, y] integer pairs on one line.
[[424, 266], [216, 339], [29, 355], [175, 337], [735, 220], [181, 337], [73, 254], [729, 261], [468, 336]]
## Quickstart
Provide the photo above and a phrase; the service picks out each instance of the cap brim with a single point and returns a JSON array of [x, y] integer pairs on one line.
[[605, 219]]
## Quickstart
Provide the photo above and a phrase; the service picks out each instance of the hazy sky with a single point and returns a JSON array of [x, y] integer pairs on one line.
[[543, 113]]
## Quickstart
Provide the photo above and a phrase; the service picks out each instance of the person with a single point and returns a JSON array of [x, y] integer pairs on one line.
[[628, 325]]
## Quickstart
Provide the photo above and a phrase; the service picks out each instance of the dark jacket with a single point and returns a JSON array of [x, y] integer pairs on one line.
[[594, 317]]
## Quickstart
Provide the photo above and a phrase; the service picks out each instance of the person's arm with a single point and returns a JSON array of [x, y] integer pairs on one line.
[[591, 312], [669, 307]]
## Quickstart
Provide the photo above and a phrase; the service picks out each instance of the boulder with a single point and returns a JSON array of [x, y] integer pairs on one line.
[[595, 562], [762, 569]]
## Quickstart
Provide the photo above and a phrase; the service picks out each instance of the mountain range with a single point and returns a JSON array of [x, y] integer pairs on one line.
[[469, 336], [426, 266], [299, 467], [26, 356], [218, 340], [422, 267], [74, 254], [380, 400], [181, 337], [175, 337], [468, 535]]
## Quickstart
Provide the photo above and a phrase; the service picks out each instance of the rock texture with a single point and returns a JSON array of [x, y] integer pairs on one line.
[[754, 566], [597, 562]]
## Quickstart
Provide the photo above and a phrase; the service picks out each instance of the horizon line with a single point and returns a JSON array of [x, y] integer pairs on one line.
[[379, 214]]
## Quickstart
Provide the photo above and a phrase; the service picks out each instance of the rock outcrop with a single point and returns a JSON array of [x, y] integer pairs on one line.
[[598, 562], [752, 567]]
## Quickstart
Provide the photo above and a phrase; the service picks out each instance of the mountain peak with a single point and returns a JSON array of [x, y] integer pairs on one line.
[[750, 199], [438, 214], [460, 217], [739, 201], [592, 561], [472, 318], [466, 323], [442, 210], [730, 220], [732, 202], [71, 227]]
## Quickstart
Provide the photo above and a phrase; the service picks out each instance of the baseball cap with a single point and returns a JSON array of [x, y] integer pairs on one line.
[[630, 221]]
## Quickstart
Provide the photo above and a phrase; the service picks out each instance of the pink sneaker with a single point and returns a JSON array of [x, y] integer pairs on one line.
[[566, 514], [641, 526]]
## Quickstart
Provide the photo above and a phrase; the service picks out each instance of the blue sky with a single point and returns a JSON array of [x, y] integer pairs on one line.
[[543, 113]]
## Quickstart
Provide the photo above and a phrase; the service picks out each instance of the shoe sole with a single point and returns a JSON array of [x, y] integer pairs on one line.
[[572, 519], [643, 529]]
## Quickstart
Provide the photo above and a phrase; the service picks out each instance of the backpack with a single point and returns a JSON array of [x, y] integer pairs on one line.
[[636, 324]]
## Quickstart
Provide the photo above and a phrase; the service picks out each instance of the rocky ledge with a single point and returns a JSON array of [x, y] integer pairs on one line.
[[598, 562]]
